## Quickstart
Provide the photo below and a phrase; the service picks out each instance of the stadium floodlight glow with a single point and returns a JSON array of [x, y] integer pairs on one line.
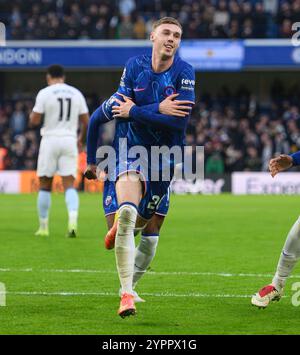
[[2, 35], [296, 35]]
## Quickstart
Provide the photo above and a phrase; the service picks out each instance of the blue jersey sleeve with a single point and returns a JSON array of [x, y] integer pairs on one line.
[[296, 158], [186, 83], [102, 115], [144, 115], [126, 82], [98, 117]]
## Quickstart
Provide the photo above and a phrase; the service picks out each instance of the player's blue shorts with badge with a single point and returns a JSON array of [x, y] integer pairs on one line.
[[155, 201]]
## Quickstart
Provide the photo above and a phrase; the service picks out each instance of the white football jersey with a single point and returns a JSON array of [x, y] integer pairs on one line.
[[61, 105]]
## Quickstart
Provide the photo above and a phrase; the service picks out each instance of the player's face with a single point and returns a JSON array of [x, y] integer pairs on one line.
[[166, 39]]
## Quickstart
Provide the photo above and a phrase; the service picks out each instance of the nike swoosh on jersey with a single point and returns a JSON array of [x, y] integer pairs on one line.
[[139, 89]]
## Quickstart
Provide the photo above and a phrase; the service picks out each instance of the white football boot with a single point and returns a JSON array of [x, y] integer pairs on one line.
[[266, 295]]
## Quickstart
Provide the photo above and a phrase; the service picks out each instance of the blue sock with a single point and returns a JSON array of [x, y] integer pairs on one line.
[[44, 202]]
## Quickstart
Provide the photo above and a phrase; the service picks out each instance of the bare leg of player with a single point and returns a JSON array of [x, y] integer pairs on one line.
[[43, 203], [129, 194], [72, 202]]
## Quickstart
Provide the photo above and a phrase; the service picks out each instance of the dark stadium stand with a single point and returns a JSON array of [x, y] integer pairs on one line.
[[132, 19], [238, 132]]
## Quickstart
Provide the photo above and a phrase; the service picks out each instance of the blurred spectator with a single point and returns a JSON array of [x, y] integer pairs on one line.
[[126, 7], [236, 131], [3, 158], [126, 29], [139, 28], [214, 164], [252, 161], [18, 120], [73, 19]]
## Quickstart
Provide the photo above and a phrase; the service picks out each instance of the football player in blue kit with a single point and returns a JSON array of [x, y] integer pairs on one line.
[[146, 82], [146, 249]]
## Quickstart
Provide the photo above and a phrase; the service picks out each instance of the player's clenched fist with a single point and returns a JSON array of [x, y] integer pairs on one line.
[[281, 163], [90, 172]]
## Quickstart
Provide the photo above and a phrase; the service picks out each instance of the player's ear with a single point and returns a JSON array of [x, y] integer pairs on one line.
[[152, 36]]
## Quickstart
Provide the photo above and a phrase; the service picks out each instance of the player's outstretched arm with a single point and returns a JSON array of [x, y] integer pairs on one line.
[[281, 163]]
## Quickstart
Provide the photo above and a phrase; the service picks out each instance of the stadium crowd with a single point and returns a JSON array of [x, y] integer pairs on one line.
[[132, 19], [239, 133]]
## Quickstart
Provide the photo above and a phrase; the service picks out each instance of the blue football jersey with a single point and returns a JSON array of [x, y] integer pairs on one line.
[[146, 87]]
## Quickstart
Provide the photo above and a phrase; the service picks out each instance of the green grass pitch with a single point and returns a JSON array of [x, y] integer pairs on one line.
[[214, 252]]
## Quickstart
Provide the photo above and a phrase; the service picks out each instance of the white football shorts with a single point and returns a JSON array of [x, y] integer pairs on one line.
[[58, 155]]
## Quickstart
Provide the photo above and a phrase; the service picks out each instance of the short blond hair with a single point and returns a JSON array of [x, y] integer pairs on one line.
[[168, 20]]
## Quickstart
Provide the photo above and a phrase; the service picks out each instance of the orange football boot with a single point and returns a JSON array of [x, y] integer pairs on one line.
[[110, 237], [127, 307]]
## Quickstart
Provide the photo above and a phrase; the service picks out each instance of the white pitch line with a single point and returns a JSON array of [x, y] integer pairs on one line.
[[167, 273], [109, 294]]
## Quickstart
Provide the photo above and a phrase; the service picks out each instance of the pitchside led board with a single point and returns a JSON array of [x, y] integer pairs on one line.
[[251, 183], [225, 55], [15, 182]]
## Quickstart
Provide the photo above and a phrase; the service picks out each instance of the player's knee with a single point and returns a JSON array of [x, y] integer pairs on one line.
[[127, 217], [68, 182], [45, 184]]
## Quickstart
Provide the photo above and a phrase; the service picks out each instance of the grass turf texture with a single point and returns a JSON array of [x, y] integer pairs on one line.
[[213, 234]]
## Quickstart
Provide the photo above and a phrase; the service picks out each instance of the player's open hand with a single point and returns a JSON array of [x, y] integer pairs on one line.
[[90, 172], [281, 163], [172, 107], [122, 111]]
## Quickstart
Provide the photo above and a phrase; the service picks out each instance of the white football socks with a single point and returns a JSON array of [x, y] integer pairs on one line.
[[144, 254], [72, 202], [289, 257], [125, 246], [43, 223], [44, 203]]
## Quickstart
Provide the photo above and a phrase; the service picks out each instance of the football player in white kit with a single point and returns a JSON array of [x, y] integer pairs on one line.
[[64, 109]]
